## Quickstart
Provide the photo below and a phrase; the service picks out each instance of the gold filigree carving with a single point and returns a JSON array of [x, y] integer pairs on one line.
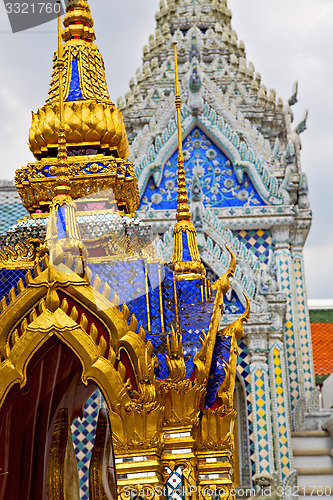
[[215, 430], [136, 428], [22, 256], [36, 187], [175, 357], [62, 479], [235, 331]]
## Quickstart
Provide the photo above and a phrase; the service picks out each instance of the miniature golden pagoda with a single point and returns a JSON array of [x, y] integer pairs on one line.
[[86, 306]]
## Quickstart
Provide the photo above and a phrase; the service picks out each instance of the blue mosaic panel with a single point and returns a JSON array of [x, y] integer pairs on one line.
[[175, 484], [221, 355], [193, 319], [259, 242], [83, 434], [190, 292], [75, 93], [218, 182], [126, 278], [261, 418], [9, 279], [154, 276], [10, 211], [243, 368], [186, 250], [194, 316], [234, 305], [168, 291]]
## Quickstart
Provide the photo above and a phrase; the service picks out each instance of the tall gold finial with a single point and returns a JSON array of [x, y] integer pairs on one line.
[[62, 235], [185, 257], [183, 211], [63, 187]]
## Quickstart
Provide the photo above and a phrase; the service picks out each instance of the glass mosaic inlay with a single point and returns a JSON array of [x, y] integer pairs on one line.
[[214, 172]]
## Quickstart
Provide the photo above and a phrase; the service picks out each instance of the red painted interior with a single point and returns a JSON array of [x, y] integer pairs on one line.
[[27, 419]]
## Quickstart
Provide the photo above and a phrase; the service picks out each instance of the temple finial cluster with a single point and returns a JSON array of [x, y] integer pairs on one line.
[[78, 21], [185, 257], [183, 211]]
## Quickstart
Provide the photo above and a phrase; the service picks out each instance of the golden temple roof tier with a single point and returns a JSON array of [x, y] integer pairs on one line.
[[91, 118], [87, 124], [37, 182], [84, 72]]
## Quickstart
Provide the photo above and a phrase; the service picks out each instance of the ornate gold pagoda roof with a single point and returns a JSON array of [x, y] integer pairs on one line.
[[94, 130], [91, 118]]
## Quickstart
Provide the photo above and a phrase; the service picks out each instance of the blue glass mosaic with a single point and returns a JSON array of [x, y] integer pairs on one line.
[[83, 435], [193, 320], [186, 251], [234, 305], [217, 370], [258, 241], [126, 278], [190, 292], [61, 222], [9, 279], [168, 291], [10, 213], [219, 185], [75, 93]]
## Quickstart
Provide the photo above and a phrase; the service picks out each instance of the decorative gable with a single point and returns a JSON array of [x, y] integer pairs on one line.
[[215, 174]]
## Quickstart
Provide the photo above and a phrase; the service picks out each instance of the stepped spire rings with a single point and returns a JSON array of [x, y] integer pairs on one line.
[[62, 187], [185, 257]]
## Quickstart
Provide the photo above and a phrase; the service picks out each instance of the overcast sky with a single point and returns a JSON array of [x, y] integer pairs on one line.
[[287, 40]]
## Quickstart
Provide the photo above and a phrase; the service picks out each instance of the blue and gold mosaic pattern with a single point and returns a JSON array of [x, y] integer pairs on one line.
[[83, 433], [175, 484], [303, 323], [190, 292], [217, 370], [193, 320], [9, 279], [261, 418], [11, 210], [219, 185], [75, 93], [126, 278], [259, 242], [243, 368], [282, 447], [285, 273]]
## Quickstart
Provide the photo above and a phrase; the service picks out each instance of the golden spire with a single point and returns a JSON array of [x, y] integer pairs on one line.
[[62, 233], [63, 187], [78, 10], [185, 257], [93, 123]]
